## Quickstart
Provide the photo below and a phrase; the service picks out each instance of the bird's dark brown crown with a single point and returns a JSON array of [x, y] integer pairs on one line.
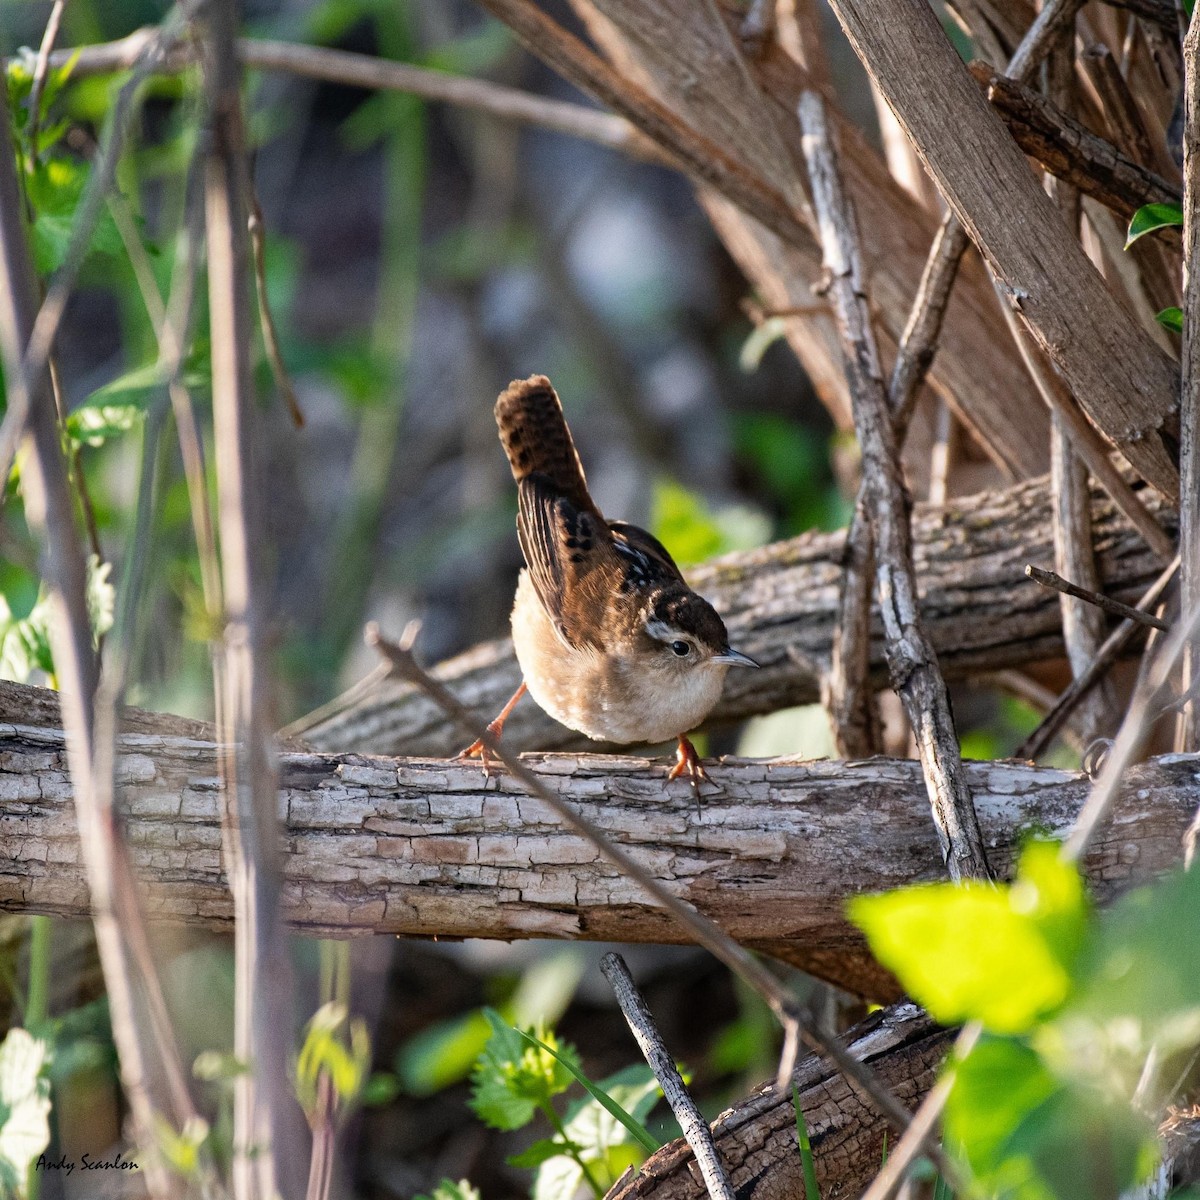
[[683, 610]]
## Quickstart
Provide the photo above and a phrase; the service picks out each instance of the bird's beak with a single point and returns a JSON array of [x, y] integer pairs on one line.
[[734, 658]]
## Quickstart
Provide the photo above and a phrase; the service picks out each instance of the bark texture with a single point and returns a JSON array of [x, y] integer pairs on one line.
[[1132, 396], [748, 104], [781, 606], [757, 1139], [431, 848]]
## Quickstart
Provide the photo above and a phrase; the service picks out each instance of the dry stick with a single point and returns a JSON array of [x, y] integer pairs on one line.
[[924, 1124], [695, 1128], [368, 71], [1088, 444], [40, 70], [1150, 687], [912, 661], [984, 177], [49, 316], [698, 156], [51, 514], [262, 1020], [1070, 151], [706, 932], [1188, 730], [1052, 579], [847, 693], [1054, 720], [266, 319], [1082, 624]]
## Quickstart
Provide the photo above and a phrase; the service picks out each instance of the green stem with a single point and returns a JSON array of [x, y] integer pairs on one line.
[[560, 1129], [37, 1004]]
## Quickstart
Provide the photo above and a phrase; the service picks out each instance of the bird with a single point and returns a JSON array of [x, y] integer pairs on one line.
[[610, 639]]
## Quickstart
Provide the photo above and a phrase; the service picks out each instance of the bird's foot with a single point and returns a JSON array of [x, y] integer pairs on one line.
[[687, 761], [495, 728], [487, 759]]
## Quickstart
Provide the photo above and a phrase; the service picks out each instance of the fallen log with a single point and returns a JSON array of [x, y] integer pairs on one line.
[[430, 848], [781, 605]]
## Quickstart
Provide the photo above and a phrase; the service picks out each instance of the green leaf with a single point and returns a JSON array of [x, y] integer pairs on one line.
[[324, 1054], [517, 1073], [1171, 318], [95, 424], [181, 1148], [380, 1090], [448, 1190], [693, 532], [1140, 978], [632, 1083], [812, 1190], [1027, 1135], [540, 1152], [443, 1054], [604, 1141], [929, 936], [24, 1106], [1150, 217]]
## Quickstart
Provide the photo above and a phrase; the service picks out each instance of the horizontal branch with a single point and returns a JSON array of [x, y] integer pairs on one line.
[[1070, 151], [781, 605], [367, 71], [424, 847]]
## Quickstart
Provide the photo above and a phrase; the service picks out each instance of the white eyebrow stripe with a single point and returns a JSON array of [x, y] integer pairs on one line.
[[663, 632]]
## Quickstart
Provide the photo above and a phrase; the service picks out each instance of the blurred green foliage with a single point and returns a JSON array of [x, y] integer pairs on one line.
[[1089, 1019], [520, 1073]]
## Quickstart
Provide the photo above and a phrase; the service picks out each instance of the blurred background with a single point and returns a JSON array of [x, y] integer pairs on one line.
[[419, 258]]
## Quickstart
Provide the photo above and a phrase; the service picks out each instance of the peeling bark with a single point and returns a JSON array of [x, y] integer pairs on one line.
[[757, 1139], [429, 848]]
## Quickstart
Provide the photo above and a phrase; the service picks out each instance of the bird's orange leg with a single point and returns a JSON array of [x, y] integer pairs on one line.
[[687, 761], [477, 749]]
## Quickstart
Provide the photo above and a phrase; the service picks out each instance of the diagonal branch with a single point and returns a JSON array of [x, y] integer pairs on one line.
[[1046, 276]]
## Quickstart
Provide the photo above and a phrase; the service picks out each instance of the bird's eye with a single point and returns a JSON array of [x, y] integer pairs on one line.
[[681, 648]]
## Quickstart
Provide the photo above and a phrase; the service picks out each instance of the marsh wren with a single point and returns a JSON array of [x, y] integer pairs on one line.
[[610, 639]]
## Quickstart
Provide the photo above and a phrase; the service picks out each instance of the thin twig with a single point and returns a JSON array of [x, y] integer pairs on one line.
[[266, 319], [918, 342], [695, 1128], [1108, 654], [924, 1124], [706, 932], [846, 688], [367, 71], [49, 317], [41, 69], [1189, 455], [1052, 579], [911, 658], [264, 1156], [1082, 624], [50, 512], [1132, 734]]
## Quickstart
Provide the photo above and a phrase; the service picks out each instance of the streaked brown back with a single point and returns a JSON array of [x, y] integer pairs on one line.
[[536, 439]]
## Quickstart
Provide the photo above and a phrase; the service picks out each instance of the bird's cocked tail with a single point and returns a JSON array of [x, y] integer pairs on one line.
[[536, 439]]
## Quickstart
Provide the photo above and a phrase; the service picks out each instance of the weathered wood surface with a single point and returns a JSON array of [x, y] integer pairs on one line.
[[747, 104], [429, 848], [781, 605], [1132, 395], [1070, 151], [757, 1139]]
